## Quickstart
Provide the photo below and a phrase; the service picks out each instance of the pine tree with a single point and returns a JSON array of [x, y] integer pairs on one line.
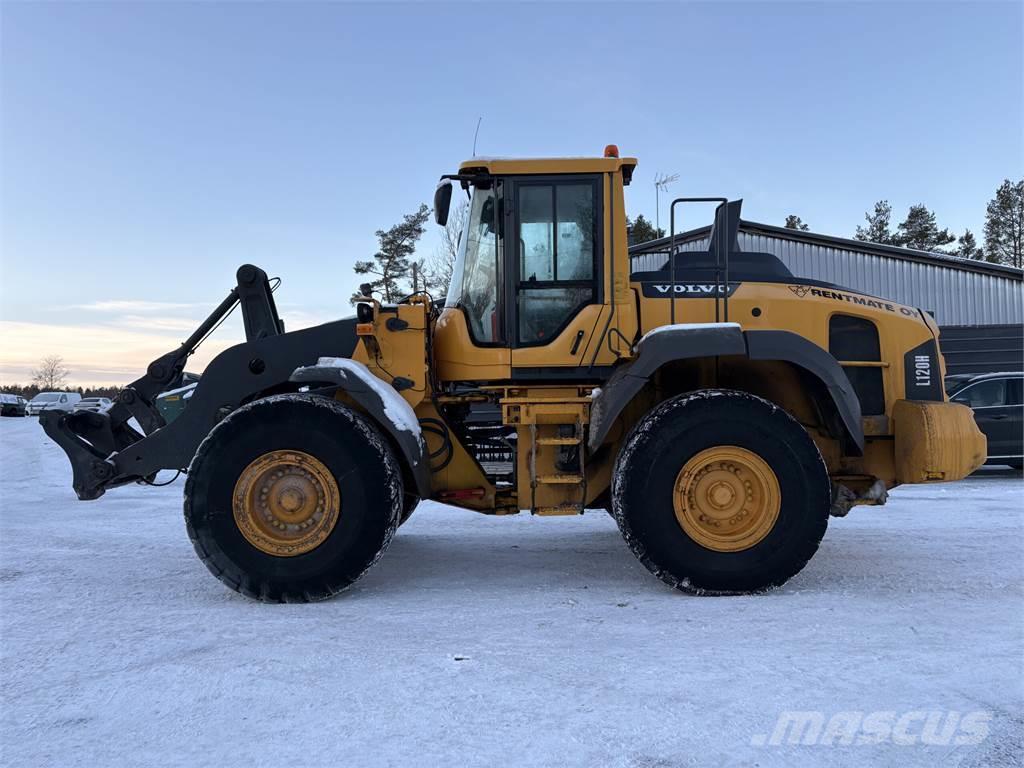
[[641, 230], [1004, 225], [391, 262], [877, 230], [795, 222], [967, 247], [920, 231]]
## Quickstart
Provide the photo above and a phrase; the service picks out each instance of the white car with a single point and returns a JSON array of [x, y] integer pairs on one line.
[[52, 401], [94, 404]]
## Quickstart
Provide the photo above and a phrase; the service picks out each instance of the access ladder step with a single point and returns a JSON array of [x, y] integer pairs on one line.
[[560, 479], [561, 509], [558, 441]]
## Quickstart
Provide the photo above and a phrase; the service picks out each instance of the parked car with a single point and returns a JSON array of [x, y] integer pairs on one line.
[[12, 405], [93, 404], [46, 401], [997, 400], [956, 381]]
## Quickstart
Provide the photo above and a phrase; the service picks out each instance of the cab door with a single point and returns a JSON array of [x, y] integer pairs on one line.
[[555, 285]]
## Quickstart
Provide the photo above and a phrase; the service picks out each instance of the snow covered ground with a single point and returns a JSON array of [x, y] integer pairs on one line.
[[520, 641]]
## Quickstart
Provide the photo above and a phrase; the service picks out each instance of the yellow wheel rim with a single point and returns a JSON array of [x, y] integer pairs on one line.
[[286, 503], [727, 498]]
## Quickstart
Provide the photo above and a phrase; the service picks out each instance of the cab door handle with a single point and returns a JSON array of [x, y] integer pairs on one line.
[[576, 342]]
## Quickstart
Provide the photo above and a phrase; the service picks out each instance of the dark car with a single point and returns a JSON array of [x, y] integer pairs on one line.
[[997, 400], [12, 405]]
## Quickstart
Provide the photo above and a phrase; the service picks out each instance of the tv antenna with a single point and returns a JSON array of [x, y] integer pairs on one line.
[[476, 133], [661, 182]]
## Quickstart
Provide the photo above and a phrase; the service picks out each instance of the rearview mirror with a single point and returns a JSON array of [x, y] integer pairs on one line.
[[442, 201]]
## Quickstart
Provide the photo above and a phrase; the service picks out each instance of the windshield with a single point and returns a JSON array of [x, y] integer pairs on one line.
[[46, 397], [477, 272]]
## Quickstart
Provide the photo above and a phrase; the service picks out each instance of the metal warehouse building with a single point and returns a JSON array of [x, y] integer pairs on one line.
[[979, 306]]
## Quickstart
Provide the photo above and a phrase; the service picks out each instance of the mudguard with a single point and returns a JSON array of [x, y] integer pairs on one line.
[[690, 341], [383, 404], [670, 342], [793, 348]]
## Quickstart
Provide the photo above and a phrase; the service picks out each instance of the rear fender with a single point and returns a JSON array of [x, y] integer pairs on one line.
[[683, 342], [672, 342], [792, 348]]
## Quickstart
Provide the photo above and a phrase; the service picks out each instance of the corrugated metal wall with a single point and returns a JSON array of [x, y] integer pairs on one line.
[[983, 349], [954, 296]]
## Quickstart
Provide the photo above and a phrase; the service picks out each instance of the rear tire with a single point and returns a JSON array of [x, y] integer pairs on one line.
[[730, 448], [346, 458]]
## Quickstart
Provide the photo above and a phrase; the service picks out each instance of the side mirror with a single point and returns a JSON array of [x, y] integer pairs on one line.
[[442, 201], [487, 217]]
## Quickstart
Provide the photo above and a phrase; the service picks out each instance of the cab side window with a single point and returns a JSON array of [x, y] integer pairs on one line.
[[557, 235]]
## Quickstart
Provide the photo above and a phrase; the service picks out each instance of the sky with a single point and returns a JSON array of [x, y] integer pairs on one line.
[[149, 149]]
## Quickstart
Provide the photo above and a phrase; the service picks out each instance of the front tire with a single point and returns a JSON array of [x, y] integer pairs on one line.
[[409, 505], [292, 498], [721, 492]]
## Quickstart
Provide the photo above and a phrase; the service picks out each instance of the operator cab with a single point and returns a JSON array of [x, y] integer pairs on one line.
[[532, 283]]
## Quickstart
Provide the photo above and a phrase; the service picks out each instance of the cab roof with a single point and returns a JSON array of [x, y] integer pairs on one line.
[[500, 166]]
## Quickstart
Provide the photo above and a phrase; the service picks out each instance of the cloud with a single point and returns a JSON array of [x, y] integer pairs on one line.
[[158, 323], [117, 305], [95, 354], [297, 319], [112, 342]]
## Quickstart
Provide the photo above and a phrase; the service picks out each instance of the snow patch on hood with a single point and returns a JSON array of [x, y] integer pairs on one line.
[[185, 392], [687, 327], [397, 410]]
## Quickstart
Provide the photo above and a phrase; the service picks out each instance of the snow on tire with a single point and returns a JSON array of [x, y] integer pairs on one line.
[[292, 498], [721, 492]]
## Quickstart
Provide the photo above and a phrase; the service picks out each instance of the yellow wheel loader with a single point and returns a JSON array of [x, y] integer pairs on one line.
[[720, 408]]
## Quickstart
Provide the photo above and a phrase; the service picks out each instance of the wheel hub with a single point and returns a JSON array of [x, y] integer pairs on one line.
[[727, 498], [286, 503]]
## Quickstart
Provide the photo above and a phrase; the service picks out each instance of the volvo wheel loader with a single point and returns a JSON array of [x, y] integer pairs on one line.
[[720, 408]]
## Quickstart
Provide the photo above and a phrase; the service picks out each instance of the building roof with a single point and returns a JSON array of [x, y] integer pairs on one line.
[[890, 251]]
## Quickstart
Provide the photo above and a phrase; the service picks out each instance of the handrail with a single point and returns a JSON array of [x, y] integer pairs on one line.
[[718, 256]]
